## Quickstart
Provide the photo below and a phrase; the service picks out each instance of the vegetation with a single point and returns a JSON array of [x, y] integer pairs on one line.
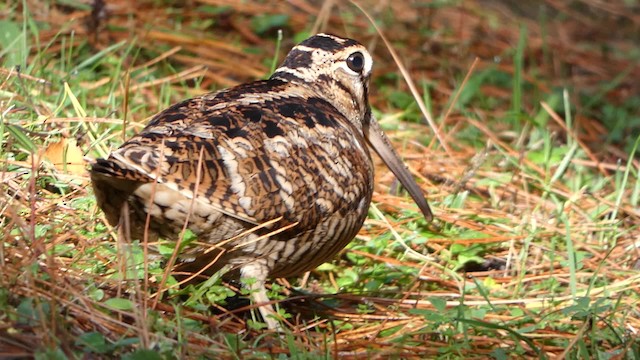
[[533, 175]]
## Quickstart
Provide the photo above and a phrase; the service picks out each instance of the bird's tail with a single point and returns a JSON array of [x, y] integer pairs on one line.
[[112, 185]]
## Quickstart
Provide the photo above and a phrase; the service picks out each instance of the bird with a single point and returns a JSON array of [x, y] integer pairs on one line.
[[273, 177]]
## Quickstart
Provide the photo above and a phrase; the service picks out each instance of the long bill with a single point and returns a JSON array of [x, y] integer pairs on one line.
[[381, 144]]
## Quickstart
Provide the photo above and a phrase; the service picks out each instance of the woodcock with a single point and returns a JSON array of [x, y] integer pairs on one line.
[[288, 153]]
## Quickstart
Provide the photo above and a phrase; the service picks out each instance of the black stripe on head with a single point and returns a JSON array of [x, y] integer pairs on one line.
[[324, 78], [285, 76], [327, 43], [297, 59]]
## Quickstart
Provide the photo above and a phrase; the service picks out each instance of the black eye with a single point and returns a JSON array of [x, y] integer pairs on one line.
[[355, 62]]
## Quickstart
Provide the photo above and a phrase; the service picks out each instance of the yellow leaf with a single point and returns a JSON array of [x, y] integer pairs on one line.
[[66, 156]]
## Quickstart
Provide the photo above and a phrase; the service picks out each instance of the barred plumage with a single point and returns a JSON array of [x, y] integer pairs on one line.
[[290, 150]]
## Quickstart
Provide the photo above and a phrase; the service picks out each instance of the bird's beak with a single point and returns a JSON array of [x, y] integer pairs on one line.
[[381, 144]]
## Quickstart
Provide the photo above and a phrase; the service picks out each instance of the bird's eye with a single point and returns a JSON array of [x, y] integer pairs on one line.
[[355, 62]]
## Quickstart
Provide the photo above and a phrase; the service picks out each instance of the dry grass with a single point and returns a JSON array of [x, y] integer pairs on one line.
[[562, 226]]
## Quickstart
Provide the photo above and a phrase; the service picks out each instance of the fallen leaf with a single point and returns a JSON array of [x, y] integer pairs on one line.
[[66, 156]]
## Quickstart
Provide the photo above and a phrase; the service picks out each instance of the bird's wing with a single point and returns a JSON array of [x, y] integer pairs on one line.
[[254, 159]]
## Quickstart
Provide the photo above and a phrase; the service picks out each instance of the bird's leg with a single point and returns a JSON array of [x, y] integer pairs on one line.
[[257, 270]]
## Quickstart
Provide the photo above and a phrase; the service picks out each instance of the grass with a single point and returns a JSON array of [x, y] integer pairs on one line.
[[534, 181]]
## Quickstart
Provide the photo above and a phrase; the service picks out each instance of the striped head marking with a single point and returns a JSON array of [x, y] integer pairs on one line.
[[336, 69]]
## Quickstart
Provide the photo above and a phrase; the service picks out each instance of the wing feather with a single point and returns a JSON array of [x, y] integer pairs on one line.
[[253, 162]]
